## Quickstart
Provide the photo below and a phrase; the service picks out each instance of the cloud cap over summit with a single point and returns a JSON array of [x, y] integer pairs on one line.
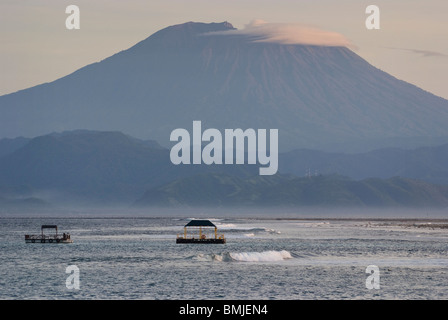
[[289, 33]]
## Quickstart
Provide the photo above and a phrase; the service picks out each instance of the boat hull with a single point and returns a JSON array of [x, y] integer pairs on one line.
[[182, 240], [56, 241]]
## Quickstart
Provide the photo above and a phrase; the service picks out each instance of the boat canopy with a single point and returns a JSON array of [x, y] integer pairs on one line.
[[200, 223], [49, 226]]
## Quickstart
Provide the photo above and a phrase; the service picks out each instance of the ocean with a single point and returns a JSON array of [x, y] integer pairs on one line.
[[125, 257]]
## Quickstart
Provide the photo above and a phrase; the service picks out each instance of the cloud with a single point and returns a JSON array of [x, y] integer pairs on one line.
[[290, 33], [423, 53]]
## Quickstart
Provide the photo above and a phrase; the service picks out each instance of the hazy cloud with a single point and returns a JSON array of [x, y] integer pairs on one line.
[[423, 53], [290, 33]]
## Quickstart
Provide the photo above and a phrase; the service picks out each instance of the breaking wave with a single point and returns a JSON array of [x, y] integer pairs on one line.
[[230, 227], [261, 256], [265, 256]]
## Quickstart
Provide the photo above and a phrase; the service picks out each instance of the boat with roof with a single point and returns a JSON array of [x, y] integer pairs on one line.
[[200, 231], [48, 238]]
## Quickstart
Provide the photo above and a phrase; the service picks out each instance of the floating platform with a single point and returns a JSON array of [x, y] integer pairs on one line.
[[192, 240], [52, 238], [199, 235]]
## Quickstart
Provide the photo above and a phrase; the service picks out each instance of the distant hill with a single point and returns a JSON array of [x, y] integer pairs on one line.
[[87, 164], [216, 190], [20, 204], [8, 146], [318, 97], [426, 163], [20, 198], [210, 190], [90, 166], [108, 168]]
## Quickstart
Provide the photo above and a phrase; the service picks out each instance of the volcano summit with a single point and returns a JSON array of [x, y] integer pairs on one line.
[[317, 96]]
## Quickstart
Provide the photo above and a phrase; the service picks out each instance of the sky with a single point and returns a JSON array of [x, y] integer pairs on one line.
[[36, 46]]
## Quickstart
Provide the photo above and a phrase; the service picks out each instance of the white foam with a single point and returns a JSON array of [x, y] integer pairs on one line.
[[226, 225], [265, 256], [261, 256]]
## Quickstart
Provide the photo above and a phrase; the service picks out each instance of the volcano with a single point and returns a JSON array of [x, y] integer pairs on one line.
[[319, 97]]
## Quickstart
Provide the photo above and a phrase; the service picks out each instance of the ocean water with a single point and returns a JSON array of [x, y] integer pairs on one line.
[[137, 258]]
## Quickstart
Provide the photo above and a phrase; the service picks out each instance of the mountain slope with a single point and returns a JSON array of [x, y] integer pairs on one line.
[[318, 97]]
